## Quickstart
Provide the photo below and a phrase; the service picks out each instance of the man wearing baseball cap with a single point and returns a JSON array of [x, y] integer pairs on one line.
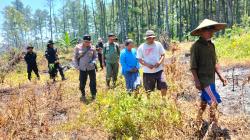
[[151, 55], [30, 59], [85, 59], [111, 53]]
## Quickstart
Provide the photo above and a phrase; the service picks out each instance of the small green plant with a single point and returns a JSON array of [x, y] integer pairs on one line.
[[66, 42]]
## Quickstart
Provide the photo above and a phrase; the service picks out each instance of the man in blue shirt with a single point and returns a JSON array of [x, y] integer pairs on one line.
[[130, 66]]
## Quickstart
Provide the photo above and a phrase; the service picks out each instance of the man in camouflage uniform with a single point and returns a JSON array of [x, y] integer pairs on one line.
[[111, 55]]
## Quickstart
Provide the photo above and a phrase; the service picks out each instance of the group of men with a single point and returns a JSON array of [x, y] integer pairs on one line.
[[51, 55], [149, 55]]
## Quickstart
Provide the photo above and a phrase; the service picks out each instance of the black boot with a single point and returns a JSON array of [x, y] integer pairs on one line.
[[63, 78], [108, 84], [83, 99]]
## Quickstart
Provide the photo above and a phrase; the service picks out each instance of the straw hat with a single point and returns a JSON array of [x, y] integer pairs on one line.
[[210, 25]]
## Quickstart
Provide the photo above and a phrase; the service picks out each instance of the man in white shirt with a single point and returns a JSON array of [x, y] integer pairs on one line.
[[151, 55]]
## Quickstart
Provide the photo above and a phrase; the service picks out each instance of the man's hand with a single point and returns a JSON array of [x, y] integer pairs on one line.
[[223, 80], [146, 64], [198, 85], [157, 64], [150, 66], [77, 68]]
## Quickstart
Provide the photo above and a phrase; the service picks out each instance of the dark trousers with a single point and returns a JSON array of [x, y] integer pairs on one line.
[[53, 71], [31, 68], [92, 84], [100, 59]]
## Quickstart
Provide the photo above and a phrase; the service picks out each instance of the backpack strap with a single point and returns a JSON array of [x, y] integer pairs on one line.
[[83, 54], [105, 46]]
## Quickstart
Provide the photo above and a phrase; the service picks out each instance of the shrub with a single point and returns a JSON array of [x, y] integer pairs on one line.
[[235, 44], [128, 117]]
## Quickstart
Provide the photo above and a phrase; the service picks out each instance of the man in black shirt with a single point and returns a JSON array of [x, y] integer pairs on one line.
[[99, 48], [30, 59], [53, 61]]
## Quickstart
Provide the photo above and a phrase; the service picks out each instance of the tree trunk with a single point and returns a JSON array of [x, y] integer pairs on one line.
[[218, 10], [180, 20], [148, 15], [172, 19], [94, 18], [230, 12], [238, 15], [126, 20], [167, 19], [211, 9], [198, 13]]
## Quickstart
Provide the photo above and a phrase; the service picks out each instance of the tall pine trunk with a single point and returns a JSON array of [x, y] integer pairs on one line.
[[167, 19], [230, 12]]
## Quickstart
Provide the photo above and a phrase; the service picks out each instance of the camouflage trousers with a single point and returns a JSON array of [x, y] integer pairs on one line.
[[111, 72]]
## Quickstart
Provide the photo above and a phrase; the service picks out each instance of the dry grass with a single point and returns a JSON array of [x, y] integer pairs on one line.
[[42, 110]]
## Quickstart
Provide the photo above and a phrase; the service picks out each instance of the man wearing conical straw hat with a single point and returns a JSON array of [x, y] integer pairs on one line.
[[204, 65]]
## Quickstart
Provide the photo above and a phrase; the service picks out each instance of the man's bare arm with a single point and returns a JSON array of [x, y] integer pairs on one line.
[[146, 64], [196, 79], [160, 61], [218, 71]]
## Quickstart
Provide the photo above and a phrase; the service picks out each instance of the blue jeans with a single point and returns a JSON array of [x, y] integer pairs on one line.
[[132, 80]]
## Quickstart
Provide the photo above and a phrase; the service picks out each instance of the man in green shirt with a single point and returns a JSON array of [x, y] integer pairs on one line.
[[111, 55], [204, 65]]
